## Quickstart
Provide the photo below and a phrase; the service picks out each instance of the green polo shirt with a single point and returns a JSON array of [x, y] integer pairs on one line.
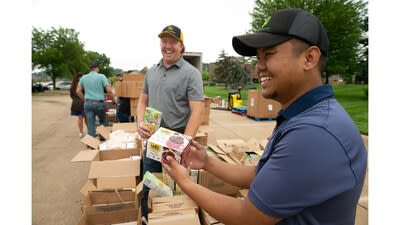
[[93, 83]]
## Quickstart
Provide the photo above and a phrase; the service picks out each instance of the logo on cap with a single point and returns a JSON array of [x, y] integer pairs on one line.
[[171, 29], [264, 26]]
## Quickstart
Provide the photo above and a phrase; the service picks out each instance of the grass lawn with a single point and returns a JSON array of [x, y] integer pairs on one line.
[[351, 97]]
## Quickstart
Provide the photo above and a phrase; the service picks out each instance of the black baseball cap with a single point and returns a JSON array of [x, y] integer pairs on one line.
[[93, 65], [282, 26], [174, 31]]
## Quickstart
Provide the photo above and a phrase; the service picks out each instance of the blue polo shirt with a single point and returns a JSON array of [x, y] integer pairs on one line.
[[313, 167]]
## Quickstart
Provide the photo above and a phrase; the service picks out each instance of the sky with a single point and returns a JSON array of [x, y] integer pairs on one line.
[[127, 31]]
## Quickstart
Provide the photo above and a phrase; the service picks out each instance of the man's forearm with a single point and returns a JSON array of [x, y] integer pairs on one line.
[[195, 119]]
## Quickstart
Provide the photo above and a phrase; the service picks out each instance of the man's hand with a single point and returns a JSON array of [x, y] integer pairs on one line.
[[196, 157], [143, 131]]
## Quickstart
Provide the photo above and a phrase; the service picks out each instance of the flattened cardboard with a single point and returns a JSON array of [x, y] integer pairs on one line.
[[207, 219], [222, 154], [90, 141], [103, 131], [86, 156], [183, 217], [133, 104], [127, 127]]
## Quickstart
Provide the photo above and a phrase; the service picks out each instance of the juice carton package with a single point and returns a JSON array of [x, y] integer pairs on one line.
[[166, 142], [152, 119], [156, 184]]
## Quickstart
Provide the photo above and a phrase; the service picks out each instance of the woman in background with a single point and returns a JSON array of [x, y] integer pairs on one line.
[[77, 104]]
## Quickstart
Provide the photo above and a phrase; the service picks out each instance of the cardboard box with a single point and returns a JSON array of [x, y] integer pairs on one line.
[[110, 207], [164, 142], [206, 219], [205, 117], [133, 77], [260, 107], [173, 203], [133, 89], [111, 169], [182, 217], [127, 127], [120, 89], [95, 143], [213, 183], [133, 104], [202, 138]]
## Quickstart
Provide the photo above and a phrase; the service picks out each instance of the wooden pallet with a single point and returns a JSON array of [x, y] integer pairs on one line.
[[242, 109], [239, 113], [261, 119]]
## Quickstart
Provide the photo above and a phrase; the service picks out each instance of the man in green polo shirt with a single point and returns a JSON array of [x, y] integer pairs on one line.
[[94, 84]]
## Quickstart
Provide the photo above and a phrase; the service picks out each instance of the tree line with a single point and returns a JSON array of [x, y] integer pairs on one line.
[[60, 54], [346, 22]]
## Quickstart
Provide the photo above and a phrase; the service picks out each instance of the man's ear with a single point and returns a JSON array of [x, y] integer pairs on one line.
[[311, 58]]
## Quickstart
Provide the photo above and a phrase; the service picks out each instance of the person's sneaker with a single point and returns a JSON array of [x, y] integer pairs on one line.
[[81, 135], [144, 221]]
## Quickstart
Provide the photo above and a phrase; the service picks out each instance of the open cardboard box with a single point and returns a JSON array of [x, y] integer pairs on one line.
[[182, 217], [174, 210], [111, 207], [103, 131], [110, 169]]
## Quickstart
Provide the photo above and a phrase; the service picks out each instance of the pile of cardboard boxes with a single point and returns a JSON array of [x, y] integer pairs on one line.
[[130, 87], [113, 190], [260, 107]]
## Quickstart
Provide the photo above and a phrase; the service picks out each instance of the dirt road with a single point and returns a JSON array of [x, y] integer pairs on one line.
[[55, 180]]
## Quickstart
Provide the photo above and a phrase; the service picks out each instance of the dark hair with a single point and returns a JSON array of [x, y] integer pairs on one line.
[[75, 80], [300, 46]]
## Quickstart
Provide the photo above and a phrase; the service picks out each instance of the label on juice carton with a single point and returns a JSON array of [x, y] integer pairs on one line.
[[156, 184], [166, 142], [152, 119]]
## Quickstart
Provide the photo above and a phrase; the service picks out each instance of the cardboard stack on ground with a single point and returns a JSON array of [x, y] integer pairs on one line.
[[130, 87], [260, 107]]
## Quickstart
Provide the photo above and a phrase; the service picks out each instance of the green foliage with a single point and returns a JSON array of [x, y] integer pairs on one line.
[[229, 71], [102, 60], [61, 55], [58, 52], [205, 75], [351, 97], [343, 20]]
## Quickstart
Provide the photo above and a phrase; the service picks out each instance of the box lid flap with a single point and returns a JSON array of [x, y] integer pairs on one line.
[[91, 141], [103, 131], [89, 186], [127, 127], [85, 156], [114, 168]]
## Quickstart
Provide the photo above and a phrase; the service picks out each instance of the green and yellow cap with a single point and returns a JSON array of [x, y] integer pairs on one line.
[[173, 31]]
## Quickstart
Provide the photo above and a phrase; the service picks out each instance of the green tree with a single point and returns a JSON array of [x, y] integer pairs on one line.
[[205, 75], [228, 70], [342, 19], [58, 52], [102, 60]]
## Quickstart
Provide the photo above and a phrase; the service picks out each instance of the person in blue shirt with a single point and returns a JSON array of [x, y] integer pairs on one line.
[[313, 168], [94, 84]]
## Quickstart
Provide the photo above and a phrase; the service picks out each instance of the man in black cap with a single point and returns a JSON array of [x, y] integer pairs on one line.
[[313, 167], [94, 84], [175, 88]]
